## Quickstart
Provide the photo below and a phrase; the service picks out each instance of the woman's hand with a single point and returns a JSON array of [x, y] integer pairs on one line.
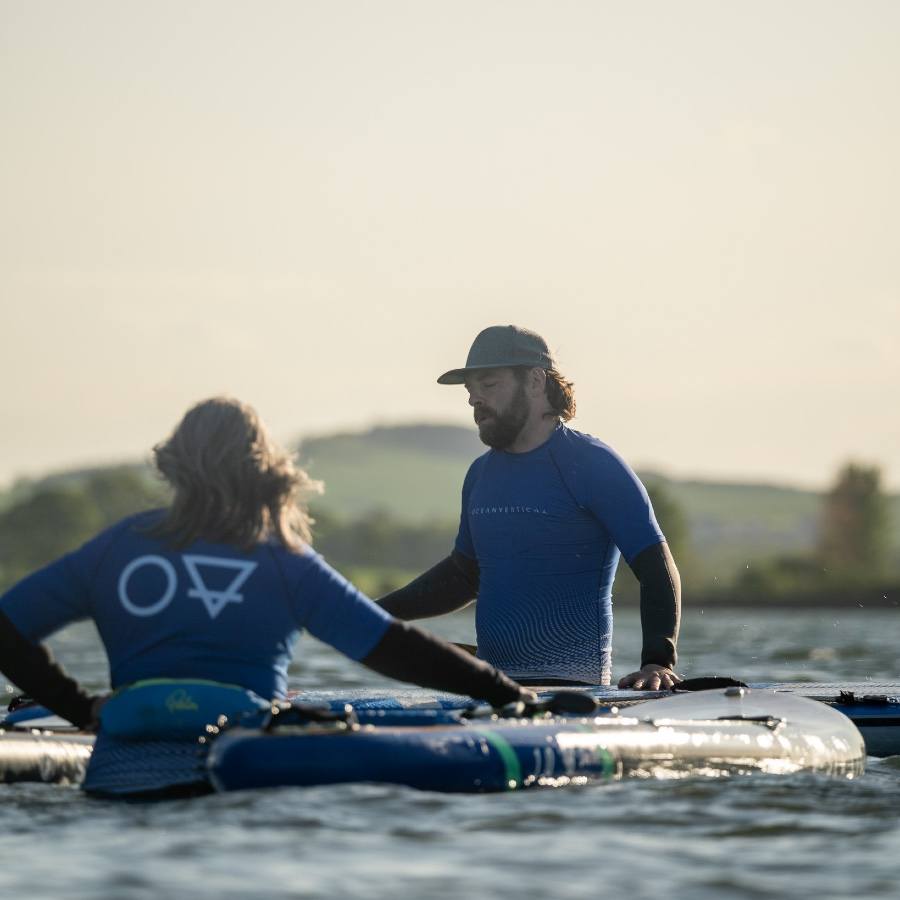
[[97, 704]]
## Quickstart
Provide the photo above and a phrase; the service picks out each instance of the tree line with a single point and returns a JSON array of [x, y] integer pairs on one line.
[[58, 515], [853, 542]]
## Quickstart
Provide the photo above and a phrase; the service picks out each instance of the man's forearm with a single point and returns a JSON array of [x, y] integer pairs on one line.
[[660, 604], [444, 588]]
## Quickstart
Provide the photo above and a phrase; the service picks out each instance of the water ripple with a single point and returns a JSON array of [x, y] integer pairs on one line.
[[702, 840]]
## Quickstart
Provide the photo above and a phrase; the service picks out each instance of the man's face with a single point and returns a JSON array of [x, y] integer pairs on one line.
[[500, 406]]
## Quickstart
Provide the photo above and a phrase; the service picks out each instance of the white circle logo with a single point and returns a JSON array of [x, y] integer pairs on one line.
[[164, 600]]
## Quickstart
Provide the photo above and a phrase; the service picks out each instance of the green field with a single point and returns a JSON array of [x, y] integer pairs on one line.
[[410, 473], [409, 483], [407, 477]]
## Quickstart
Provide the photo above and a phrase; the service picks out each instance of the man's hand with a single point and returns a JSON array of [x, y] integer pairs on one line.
[[650, 678]]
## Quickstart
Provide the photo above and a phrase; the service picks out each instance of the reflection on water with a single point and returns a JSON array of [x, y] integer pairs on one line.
[[800, 836]]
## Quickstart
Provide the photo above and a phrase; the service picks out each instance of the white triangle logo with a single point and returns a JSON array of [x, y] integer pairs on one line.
[[215, 601]]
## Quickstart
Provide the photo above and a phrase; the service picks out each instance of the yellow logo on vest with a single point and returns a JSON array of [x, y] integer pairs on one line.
[[180, 701]]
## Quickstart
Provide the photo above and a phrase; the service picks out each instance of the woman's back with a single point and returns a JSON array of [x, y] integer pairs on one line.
[[214, 588], [207, 611]]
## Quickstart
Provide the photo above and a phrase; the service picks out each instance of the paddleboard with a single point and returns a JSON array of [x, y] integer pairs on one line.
[[34, 754], [736, 731], [873, 706], [38, 746]]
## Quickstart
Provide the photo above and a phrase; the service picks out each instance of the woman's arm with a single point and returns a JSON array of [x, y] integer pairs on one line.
[[407, 653], [32, 669]]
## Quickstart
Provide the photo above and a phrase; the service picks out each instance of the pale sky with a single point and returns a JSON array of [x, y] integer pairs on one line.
[[316, 206]]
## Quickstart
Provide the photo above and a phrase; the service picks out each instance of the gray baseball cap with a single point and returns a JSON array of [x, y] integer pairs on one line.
[[500, 346]]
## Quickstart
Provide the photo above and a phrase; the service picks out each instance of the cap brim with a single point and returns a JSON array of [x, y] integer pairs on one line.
[[454, 376], [458, 376]]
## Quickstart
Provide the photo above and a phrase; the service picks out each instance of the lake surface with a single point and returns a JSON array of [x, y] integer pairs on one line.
[[745, 838]]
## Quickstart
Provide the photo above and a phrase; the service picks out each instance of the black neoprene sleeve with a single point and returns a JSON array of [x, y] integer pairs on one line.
[[660, 604], [444, 588], [32, 669], [453, 583], [409, 654]]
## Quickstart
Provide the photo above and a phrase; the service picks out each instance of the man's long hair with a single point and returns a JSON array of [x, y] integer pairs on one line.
[[560, 392], [233, 484]]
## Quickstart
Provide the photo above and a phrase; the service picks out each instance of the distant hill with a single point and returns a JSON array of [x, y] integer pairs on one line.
[[732, 524], [416, 472], [23, 488], [413, 471]]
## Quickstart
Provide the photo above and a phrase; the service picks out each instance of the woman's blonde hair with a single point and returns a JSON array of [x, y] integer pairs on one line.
[[233, 484]]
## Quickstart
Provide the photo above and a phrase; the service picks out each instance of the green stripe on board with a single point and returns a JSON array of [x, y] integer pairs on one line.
[[604, 757], [607, 760], [510, 761]]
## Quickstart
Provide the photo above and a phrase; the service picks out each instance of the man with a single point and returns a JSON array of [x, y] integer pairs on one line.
[[546, 513]]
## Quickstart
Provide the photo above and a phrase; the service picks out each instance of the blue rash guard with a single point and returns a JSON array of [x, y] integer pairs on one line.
[[547, 528], [209, 611]]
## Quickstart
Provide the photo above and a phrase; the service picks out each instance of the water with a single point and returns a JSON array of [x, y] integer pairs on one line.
[[753, 838]]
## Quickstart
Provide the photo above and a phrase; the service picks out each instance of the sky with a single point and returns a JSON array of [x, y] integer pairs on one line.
[[317, 206]]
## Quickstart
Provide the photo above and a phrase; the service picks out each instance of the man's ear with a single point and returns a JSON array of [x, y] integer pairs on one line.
[[537, 382]]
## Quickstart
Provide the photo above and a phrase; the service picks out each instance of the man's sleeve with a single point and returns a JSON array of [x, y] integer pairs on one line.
[[660, 604], [617, 498], [464, 544], [447, 586], [450, 584]]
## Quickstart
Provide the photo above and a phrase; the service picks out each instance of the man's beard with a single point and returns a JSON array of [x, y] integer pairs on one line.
[[502, 429]]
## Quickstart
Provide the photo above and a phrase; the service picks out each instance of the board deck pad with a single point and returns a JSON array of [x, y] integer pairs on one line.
[[418, 698], [873, 706]]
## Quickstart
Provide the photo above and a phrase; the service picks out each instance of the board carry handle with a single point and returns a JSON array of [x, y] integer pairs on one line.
[[294, 713], [21, 701], [559, 703], [707, 683]]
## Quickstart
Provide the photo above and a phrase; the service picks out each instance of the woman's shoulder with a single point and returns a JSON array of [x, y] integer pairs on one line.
[[301, 555], [115, 538], [137, 525], [146, 518]]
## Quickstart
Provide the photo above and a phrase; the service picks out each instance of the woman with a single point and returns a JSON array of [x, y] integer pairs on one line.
[[216, 587]]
